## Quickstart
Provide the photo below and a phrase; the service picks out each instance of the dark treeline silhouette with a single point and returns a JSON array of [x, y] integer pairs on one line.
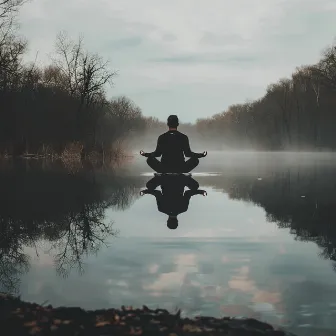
[[296, 113], [65, 209], [297, 197], [46, 110]]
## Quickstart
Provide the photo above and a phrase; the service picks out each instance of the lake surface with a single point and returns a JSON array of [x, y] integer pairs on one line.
[[261, 244]]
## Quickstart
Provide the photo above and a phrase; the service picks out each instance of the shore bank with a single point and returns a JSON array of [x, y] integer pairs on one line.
[[23, 318]]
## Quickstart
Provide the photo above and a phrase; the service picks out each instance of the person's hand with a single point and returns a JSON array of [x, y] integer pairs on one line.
[[205, 193], [205, 153], [142, 153]]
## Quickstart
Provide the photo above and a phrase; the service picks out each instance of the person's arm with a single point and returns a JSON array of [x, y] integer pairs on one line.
[[158, 196], [184, 203], [158, 150], [156, 193], [189, 193], [188, 152]]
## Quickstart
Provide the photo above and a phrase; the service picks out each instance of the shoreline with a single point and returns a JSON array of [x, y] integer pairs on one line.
[[24, 318]]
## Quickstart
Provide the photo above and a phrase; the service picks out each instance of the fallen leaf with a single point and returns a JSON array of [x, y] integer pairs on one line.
[[191, 328], [57, 322], [102, 323], [66, 322], [30, 324], [34, 331], [155, 321]]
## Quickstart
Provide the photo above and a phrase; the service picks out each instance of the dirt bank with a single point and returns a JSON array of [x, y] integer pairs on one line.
[[23, 318]]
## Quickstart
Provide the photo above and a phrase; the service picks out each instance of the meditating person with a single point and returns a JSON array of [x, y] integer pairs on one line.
[[173, 147]]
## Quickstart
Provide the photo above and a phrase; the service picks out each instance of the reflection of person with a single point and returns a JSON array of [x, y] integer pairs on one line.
[[173, 146], [173, 200]]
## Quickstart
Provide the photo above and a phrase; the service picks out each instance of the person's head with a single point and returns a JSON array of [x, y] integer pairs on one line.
[[172, 121], [172, 222]]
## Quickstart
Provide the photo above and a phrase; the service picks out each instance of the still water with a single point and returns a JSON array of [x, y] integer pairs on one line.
[[262, 243]]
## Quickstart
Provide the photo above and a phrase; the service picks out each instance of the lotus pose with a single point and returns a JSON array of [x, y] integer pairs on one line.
[[173, 146], [173, 200]]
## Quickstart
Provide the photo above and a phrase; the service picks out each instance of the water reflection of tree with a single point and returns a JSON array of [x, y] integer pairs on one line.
[[301, 199], [12, 261], [66, 210]]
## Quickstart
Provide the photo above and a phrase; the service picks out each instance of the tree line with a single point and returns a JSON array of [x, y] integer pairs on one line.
[[296, 113], [47, 109], [63, 107]]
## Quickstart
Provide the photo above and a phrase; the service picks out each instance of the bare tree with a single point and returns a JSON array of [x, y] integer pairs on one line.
[[11, 53], [85, 235], [326, 68], [9, 7], [86, 73], [8, 12]]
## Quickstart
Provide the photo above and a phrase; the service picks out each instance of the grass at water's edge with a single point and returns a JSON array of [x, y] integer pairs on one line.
[[23, 318], [72, 152]]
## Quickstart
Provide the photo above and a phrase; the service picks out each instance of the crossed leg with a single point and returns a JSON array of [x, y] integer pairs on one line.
[[185, 167]]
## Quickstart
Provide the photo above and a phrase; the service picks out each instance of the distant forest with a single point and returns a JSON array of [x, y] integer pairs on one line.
[[296, 113], [63, 107]]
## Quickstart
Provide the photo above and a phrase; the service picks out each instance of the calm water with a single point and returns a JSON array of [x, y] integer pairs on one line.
[[261, 244]]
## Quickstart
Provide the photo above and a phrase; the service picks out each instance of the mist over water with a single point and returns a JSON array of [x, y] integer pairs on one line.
[[261, 244]]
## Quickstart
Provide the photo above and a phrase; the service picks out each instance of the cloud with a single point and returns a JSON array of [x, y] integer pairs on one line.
[[188, 50], [192, 59], [128, 42]]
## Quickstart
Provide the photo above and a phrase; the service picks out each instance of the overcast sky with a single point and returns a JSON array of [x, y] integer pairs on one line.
[[189, 57]]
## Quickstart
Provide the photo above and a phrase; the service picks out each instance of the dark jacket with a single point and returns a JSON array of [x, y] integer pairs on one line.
[[173, 146], [173, 204]]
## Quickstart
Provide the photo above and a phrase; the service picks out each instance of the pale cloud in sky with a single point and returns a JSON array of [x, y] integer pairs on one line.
[[190, 57]]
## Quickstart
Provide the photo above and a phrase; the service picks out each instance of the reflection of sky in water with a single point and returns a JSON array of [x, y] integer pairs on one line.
[[224, 259], [207, 217]]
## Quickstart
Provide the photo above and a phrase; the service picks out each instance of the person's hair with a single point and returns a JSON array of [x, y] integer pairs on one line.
[[172, 223], [173, 121]]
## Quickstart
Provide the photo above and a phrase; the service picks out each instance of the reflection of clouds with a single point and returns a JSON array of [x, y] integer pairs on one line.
[[183, 260], [118, 283], [230, 260], [265, 296], [166, 281], [223, 277], [184, 263], [152, 269], [241, 281], [122, 283], [213, 293], [225, 259], [262, 300], [208, 233], [282, 249], [126, 293], [238, 310]]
